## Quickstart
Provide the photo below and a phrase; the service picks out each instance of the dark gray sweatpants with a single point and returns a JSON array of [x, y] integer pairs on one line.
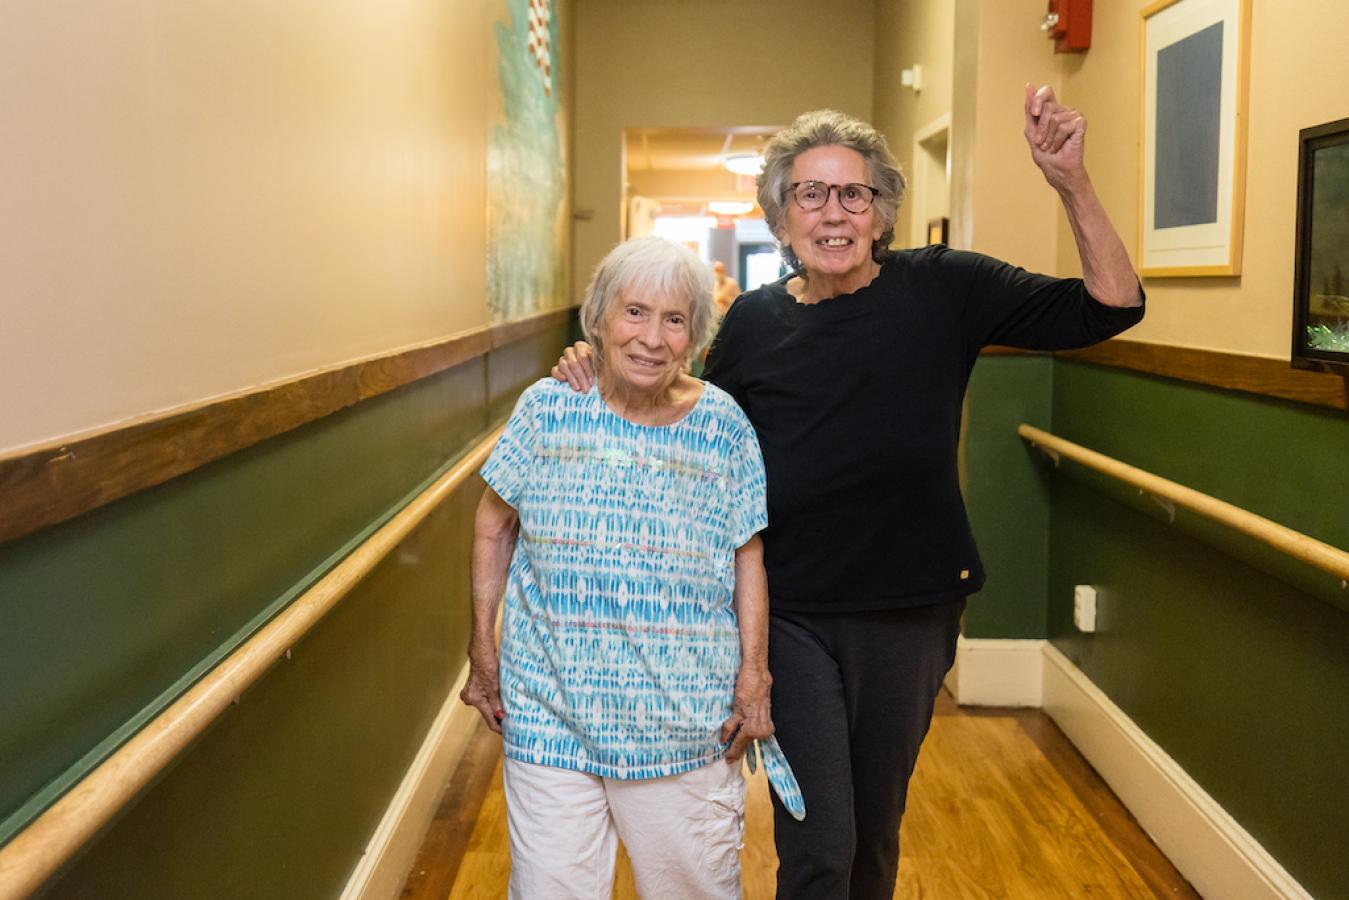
[[852, 701]]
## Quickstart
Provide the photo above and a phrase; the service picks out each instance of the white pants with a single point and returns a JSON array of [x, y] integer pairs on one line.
[[683, 832]]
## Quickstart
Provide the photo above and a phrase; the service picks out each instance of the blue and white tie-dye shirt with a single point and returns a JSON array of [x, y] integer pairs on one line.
[[620, 646]]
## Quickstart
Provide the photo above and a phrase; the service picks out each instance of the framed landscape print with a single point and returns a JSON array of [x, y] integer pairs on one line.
[[1193, 137], [1321, 267]]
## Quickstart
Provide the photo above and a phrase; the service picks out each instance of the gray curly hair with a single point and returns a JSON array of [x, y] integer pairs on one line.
[[649, 265], [830, 128]]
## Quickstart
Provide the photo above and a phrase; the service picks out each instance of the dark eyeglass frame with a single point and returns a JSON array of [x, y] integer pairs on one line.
[[833, 189]]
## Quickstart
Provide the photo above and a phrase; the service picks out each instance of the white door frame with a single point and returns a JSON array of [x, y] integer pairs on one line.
[[920, 178]]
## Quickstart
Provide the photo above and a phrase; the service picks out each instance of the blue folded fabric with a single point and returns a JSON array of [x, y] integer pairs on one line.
[[780, 776]]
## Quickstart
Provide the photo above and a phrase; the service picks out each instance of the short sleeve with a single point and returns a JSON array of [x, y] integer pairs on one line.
[[508, 469], [748, 490]]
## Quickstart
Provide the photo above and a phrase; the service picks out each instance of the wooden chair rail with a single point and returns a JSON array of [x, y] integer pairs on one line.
[[1294, 543], [38, 851], [43, 486]]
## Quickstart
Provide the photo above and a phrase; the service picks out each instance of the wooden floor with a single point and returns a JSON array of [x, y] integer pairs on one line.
[[1001, 806]]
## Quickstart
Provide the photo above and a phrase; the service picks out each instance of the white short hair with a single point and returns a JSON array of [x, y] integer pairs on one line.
[[650, 265]]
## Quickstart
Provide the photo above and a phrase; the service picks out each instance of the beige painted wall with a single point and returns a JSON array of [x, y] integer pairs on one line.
[[1299, 69], [1299, 66], [1012, 210], [701, 63], [910, 32], [200, 198], [977, 56]]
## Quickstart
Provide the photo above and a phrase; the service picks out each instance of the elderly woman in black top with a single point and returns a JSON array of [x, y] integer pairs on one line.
[[853, 372]]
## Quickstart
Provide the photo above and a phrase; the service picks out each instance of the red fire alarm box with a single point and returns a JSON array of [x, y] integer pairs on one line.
[[1068, 22]]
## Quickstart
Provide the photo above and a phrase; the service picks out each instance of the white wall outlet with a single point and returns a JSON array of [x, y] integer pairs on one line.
[[1084, 607]]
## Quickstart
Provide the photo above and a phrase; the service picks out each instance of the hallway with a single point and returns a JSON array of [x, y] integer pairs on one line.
[[1001, 806], [276, 274]]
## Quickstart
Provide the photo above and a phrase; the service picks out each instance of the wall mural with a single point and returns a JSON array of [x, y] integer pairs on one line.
[[528, 235]]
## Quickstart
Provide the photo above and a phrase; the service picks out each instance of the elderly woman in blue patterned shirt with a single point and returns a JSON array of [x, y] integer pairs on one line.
[[622, 525]]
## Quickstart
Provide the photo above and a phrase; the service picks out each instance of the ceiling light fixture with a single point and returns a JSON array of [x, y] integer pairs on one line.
[[744, 163]]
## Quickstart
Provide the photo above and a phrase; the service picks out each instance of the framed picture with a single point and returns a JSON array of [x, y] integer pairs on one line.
[[938, 230], [1192, 183], [1321, 268]]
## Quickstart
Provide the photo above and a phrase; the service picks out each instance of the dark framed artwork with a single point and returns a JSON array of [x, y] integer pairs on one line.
[[1192, 146], [938, 230], [1321, 267]]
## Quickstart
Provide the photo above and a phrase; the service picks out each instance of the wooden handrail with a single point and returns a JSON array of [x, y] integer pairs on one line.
[[1294, 543], [35, 853]]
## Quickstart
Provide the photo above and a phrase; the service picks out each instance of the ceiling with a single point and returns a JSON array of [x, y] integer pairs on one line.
[[658, 149]]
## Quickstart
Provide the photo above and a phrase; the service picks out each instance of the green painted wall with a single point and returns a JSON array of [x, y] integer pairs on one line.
[[1231, 656], [1285, 461], [110, 615], [279, 798], [528, 361], [1007, 499], [1235, 661], [103, 620]]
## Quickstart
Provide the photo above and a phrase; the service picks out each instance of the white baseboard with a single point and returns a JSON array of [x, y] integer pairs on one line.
[[383, 868], [996, 672], [1206, 844]]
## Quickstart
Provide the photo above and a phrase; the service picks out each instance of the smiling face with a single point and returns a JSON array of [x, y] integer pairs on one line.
[[832, 244], [646, 340]]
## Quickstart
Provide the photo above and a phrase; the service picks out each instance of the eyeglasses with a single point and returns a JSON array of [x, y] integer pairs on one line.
[[813, 195]]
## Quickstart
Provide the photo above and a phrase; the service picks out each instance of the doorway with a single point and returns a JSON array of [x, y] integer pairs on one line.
[[930, 183], [685, 184]]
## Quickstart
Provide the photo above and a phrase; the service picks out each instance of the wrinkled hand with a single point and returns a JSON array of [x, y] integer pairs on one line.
[[1056, 135], [751, 712], [576, 367], [482, 691]]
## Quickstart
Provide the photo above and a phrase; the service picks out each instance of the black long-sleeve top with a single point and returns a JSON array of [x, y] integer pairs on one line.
[[856, 401]]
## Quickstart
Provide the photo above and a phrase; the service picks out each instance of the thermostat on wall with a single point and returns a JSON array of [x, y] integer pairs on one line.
[[1084, 607]]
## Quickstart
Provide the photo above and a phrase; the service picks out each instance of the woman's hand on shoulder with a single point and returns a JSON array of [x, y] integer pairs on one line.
[[576, 367], [751, 712]]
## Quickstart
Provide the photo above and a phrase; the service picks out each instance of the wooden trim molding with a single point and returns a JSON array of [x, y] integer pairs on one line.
[[508, 333], [58, 481], [1231, 371], [1252, 374]]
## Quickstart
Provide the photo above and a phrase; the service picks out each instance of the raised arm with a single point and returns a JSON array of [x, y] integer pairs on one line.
[[751, 717], [1056, 135], [494, 528]]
